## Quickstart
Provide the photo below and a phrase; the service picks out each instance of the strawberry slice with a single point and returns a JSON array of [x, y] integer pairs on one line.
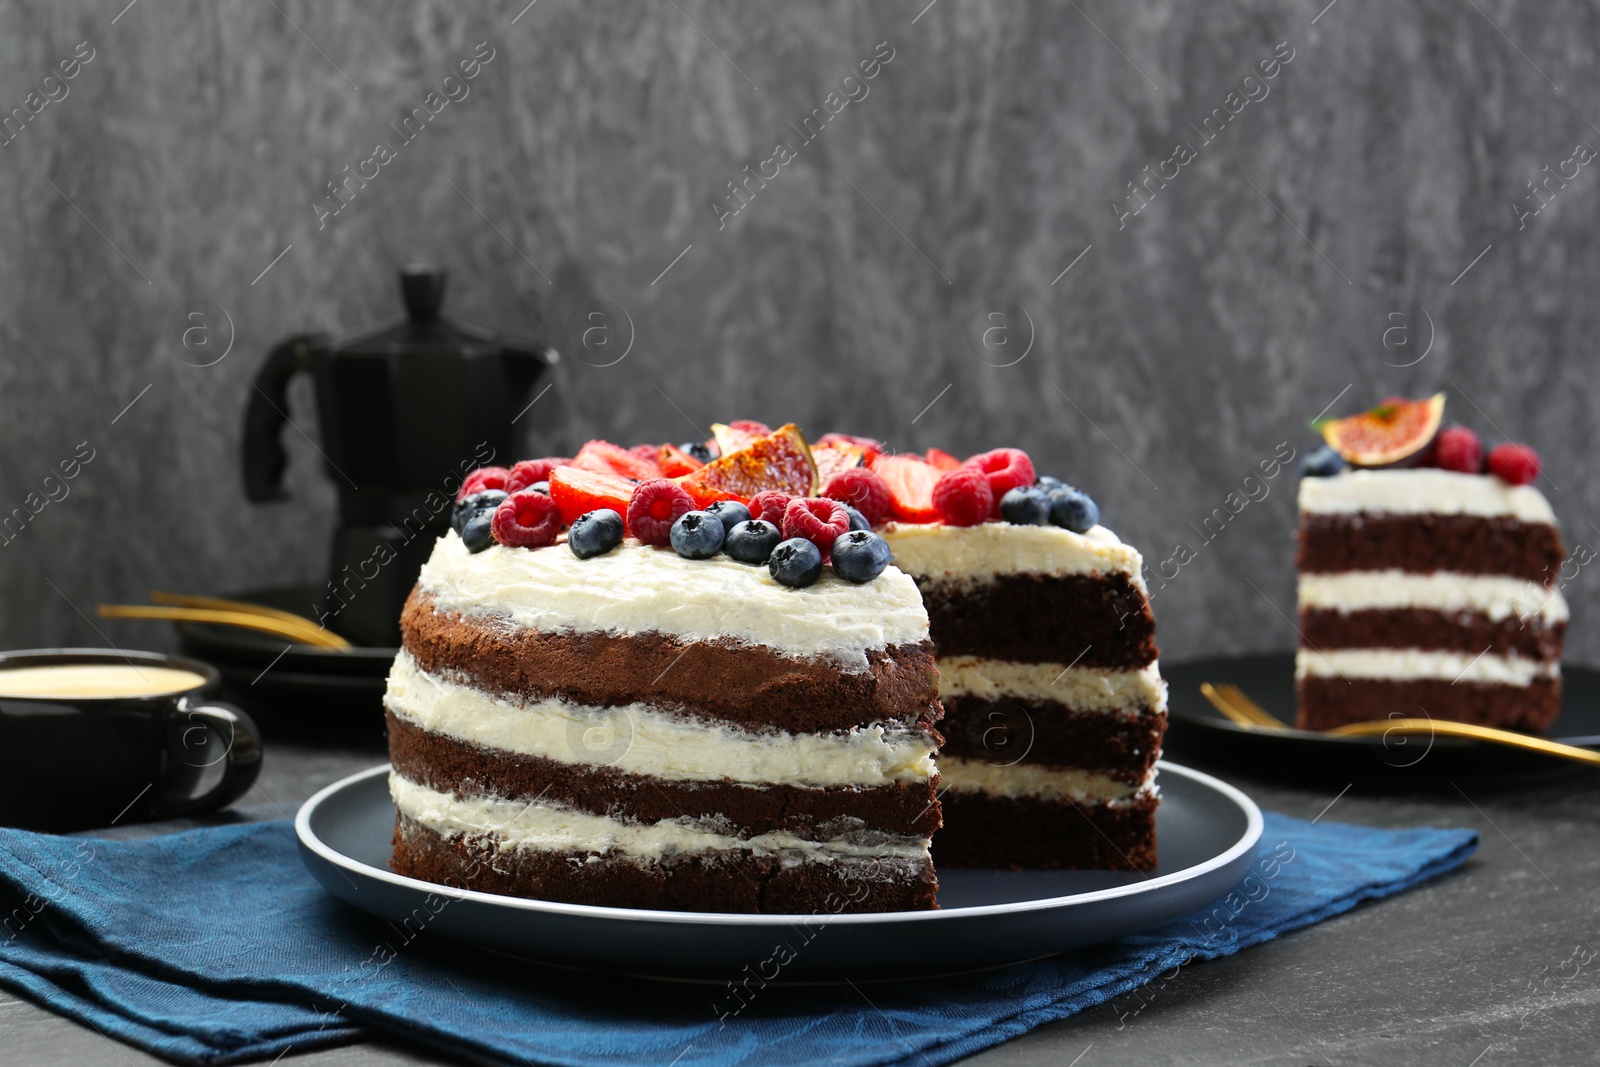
[[603, 457], [578, 491], [674, 461], [942, 459], [911, 480]]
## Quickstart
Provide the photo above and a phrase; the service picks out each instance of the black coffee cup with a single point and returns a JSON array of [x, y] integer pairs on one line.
[[80, 762]]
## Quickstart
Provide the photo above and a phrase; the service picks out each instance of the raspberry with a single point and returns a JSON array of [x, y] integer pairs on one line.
[[769, 504], [962, 497], [526, 520], [862, 490], [1006, 468], [1517, 464], [531, 471], [654, 507], [1458, 449], [816, 519], [481, 479]]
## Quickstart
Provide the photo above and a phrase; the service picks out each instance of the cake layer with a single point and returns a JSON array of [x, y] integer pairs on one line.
[[1329, 701], [1423, 490], [1074, 685], [449, 766], [1418, 664], [961, 775], [1492, 596], [635, 589], [974, 555], [742, 882], [746, 685], [1420, 628], [1089, 620], [1010, 734], [640, 738], [983, 830], [1426, 543]]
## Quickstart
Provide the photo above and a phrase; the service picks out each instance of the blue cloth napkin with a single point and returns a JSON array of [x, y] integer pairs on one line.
[[215, 946]]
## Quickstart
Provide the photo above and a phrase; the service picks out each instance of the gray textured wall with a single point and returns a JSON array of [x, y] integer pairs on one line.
[[989, 153]]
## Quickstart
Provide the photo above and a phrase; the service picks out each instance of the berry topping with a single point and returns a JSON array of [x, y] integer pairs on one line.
[[577, 491], [910, 481], [1396, 433], [1026, 505], [527, 520], [1072, 509], [860, 556], [1048, 483], [731, 512], [942, 459], [467, 507], [858, 521], [530, 472], [478, 532], [770, 505], [674, 461], [654, 507], [795, 563], [868, 449], [1458, 449], [752, 541], [698, 535], [645, 452], [1517, 464], [1006, 468], [595, 533], [863, 490], [779, 460], [603, 457], [816, 519], [698, 451], [484, 478], [1322, 462], [739, 433], [833, 458], [962, 497]]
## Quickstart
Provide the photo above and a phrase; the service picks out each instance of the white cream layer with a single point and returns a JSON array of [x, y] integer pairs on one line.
[[512, 825], [640, 739], [1410, 664], [638, 589], [1495, 597], [1034, 782], [1423, 491], [1080, 688], [975, 553]]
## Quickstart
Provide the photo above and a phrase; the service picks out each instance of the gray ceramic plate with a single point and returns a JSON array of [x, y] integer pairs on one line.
[[1207, 833]]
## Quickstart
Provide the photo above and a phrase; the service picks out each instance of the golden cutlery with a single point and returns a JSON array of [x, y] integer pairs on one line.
[[301, 631]]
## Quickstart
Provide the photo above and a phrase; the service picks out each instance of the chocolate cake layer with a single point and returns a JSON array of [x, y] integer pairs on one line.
[[720, 882], [1468, 544], [1464, 631], [1009, 732], [1037, 618], [1326, 702], [1027, 833], [746, 685], [448, 765]]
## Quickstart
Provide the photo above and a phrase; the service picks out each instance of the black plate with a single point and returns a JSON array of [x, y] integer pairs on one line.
[[242, 648], [1199, 729]]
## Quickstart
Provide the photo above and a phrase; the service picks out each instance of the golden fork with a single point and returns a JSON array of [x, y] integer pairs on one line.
[[1232, 702], [180, 608]]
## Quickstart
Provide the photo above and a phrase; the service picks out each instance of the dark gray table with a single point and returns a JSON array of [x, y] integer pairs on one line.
[[1475, 970]]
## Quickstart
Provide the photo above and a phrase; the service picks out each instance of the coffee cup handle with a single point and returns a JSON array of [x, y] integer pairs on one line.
[[240, 759]]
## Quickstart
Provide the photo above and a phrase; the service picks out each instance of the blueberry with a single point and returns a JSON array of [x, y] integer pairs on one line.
[[541, 487], [1048, 483], [697, 535], [1073, 509], [478, 532], [795, 563], [860, 556], [698, 450], [1322, 462], [1025, 505], [466, 508], [858, 521], [752, 541], [731, 512], [595, 533]]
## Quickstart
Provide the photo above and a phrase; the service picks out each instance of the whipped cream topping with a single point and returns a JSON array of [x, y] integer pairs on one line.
[[1081, 688], [638, 589], [974, 553], [640, 739], [1412, 664], [510, 825], [1496, 597], [1037, 782], [1420, 491]]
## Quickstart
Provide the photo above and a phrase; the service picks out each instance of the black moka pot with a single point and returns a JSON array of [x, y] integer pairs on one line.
[[404, 412]]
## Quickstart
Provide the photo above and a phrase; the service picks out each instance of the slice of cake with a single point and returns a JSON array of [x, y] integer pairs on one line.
[[1054, 704], [1430, 591], [702, 716]]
